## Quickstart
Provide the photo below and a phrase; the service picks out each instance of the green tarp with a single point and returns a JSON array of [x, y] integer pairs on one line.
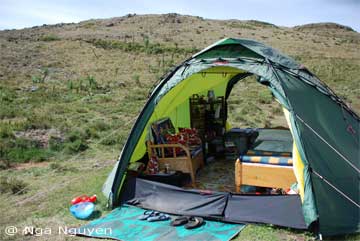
[[123, 224]]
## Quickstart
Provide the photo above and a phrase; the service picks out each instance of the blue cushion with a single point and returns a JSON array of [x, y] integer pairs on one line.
[[160, 128], [281, 161], [196, 151]]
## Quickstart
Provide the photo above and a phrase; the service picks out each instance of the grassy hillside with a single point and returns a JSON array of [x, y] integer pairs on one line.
[[69, 94]]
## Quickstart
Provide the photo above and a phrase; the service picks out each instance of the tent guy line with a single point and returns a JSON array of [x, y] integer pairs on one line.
[[333, 148], [336, 189]]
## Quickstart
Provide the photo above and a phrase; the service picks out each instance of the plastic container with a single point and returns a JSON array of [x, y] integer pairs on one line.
[[82, 210], [242, 138]]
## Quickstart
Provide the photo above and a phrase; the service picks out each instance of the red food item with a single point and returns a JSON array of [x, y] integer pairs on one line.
[[79, 199], [84, 198], [93, 198]]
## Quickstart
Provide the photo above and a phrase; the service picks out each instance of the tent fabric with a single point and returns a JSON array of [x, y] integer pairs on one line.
[[329, 121], [281, 210], [235, 48], [298, 164], [275, 209], [174, 200], [325, 130], [309, 207]]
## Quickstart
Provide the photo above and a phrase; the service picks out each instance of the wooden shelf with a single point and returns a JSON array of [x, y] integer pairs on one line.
[[202, 116]]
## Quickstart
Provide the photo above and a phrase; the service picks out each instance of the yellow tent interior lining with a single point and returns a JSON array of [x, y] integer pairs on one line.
[[298, 164], [175, 105]]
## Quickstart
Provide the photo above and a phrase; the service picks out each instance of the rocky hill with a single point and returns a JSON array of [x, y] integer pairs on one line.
[[69, 94], [45, 68]]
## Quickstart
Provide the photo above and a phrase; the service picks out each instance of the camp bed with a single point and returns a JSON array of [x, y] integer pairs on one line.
[[264, 171]]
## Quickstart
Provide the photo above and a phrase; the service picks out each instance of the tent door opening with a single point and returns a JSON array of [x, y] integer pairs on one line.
[[251, 151], [223, 154]]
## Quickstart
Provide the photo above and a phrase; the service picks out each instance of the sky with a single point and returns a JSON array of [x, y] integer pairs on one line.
[[27, 13]]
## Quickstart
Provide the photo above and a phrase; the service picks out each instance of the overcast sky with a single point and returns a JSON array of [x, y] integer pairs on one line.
[[23, 13]]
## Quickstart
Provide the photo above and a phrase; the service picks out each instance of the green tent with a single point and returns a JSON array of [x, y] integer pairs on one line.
[[325, 130]]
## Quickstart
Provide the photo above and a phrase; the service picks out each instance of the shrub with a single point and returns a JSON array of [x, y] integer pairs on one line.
[[41, 79], [136, 78], [38, 121], [35, 79], [277, 110], [239, 118], [57, 167], [8, 111], [87, 84], [147, 47], [265, 97], [244, 111], [109, 141], [49, 38], [4, 165], [92, 132], [75, 142], [76, 135], [92, 83], [6, 132], [20, 150], [261, 24], [12, 185], [88, 25], [28, 154], [112, 140], [23, 150], [7, 95], [75, 147], [55, 143], [100, 125]]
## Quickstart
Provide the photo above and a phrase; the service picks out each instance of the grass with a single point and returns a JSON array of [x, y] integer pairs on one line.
[[12, 185], [83, 87], [19, 150], [49, 38], [146, 47]]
